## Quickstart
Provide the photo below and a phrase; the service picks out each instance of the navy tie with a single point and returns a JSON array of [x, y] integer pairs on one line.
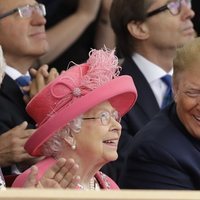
[[167, 79], [23, 81]]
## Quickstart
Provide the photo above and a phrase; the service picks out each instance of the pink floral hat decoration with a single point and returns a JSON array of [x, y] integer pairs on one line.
[[76, 91]]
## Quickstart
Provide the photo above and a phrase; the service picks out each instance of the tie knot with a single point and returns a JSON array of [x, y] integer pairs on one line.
[[23, 81], [167, 79]]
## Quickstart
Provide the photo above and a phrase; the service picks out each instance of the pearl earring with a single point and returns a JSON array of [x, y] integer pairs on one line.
[[73, 146]]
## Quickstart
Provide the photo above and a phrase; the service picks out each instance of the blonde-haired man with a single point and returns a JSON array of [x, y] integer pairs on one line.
[[165, 153]]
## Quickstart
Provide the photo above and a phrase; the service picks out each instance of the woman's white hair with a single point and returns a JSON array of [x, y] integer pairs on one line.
[[54, 146]]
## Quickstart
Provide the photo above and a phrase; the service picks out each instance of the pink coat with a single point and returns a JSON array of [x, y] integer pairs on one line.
[[104, 181]]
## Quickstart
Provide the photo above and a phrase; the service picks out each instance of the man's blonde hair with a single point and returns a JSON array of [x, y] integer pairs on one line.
[[186, 56]]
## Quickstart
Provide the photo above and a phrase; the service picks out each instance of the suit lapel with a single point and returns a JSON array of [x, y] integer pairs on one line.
[[11, 90], [146, 99]]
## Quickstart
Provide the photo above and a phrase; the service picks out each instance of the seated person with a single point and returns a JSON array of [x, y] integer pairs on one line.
[[165, 153], [78, 116], [65, 169]]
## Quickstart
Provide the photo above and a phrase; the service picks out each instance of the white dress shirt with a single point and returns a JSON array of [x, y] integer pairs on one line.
[[13, 73], [152, 73]]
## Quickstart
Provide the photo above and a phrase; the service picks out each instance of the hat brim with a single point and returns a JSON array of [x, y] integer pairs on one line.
[[120, 92]]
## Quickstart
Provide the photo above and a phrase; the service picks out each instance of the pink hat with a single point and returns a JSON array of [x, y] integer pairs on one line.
[[76, 91]]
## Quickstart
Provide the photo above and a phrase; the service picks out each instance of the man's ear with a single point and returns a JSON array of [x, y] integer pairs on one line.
[[138, 30]]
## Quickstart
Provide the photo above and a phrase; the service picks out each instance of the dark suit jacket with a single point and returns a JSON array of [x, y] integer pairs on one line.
[[146, 105], [12, 108], [163, 156]]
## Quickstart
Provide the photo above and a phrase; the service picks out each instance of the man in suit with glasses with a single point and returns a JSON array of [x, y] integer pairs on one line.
[[148, 33]]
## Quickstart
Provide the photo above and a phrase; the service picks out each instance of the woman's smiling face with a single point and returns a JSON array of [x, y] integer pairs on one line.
[[96, 141]]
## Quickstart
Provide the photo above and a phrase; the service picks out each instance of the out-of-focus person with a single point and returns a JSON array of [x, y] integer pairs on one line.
[[65, 168], [23, 40]]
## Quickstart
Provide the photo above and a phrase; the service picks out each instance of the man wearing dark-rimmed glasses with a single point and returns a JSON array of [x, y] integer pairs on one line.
[[174, 7], [147, 35]]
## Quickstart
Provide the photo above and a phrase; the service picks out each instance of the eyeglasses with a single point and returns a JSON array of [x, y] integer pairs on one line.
[[105, 117], [26, 11], [174, 7]]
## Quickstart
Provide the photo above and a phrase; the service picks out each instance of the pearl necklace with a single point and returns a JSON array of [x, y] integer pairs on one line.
[[93, 185]]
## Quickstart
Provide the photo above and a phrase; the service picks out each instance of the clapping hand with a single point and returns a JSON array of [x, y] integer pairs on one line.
[[61, 175]]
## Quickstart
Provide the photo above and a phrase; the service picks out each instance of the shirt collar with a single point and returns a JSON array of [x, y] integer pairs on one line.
[[13, 73], [150, 70]]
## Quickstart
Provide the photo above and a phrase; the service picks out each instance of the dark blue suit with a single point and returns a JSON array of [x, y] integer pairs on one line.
[[163, 156]]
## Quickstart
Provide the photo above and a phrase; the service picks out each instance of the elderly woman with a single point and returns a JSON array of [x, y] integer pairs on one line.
[[78, 116]]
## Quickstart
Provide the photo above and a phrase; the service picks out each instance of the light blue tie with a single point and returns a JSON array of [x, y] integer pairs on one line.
[[167, 79]]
